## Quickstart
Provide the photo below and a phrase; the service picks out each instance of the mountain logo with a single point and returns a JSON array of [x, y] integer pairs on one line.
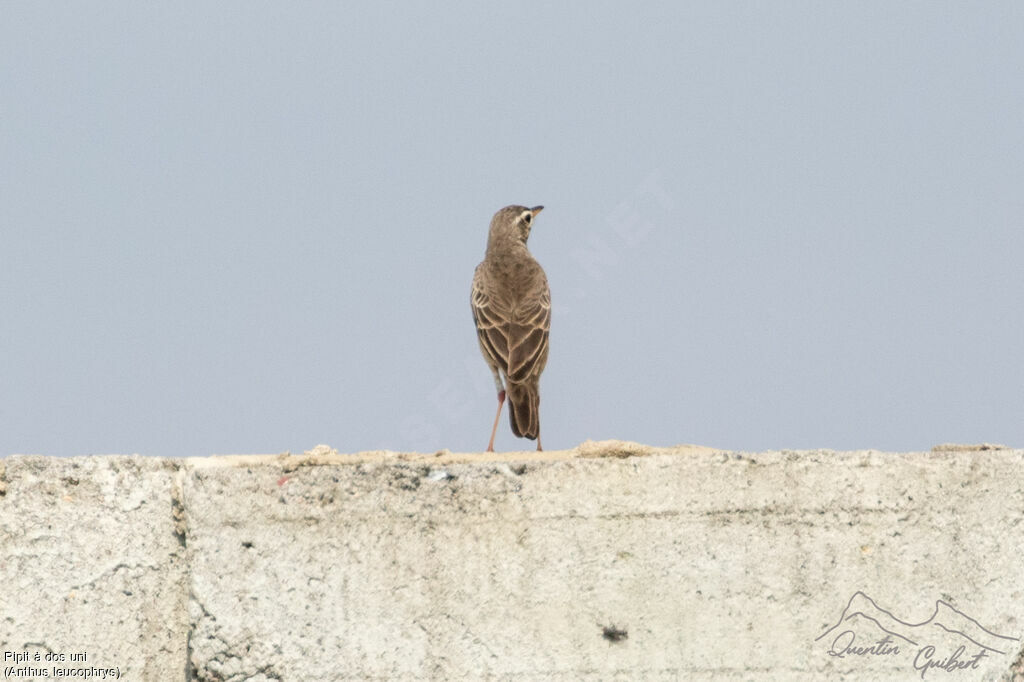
[[949, 640]]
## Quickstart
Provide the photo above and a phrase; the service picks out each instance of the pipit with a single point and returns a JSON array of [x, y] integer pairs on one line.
[[512, 310]]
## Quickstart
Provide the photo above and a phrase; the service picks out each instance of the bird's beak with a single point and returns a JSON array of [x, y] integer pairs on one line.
[[536, 209]]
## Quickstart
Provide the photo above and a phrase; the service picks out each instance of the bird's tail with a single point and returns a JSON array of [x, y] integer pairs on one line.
[[524, 409]]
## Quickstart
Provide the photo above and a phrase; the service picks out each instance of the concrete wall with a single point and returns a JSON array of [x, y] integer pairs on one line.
[[612, 561]]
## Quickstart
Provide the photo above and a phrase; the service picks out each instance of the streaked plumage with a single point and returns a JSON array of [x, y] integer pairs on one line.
[[512, 309]]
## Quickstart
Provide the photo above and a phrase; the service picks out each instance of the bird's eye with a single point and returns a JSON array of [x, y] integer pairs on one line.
[[528, 217]]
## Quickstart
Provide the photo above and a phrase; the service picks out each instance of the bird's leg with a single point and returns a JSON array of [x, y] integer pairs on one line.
[[501, 401], [539, 448]]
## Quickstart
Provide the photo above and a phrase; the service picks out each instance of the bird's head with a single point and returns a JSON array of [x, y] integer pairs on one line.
[[513, 223]]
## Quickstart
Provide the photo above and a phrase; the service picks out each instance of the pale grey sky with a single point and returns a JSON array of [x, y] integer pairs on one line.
[[252, 227]]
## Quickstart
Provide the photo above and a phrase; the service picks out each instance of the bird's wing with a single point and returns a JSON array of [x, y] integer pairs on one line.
[[492, 322], [528, 336]]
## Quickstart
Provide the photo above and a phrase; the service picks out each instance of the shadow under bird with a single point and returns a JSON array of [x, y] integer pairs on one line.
[[511, 305]]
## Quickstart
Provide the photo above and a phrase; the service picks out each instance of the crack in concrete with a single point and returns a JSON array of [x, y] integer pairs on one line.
[[179, 522], [178, 507], [1016, 670], [112, 571]]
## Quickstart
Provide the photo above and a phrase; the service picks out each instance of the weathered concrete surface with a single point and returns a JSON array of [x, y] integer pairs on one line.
[[90, 562], [611, 561]]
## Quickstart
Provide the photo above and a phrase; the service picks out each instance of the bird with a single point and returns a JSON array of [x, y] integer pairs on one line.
[[511, 304]]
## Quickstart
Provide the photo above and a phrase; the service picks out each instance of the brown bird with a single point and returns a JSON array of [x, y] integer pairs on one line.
[[512, 310]]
